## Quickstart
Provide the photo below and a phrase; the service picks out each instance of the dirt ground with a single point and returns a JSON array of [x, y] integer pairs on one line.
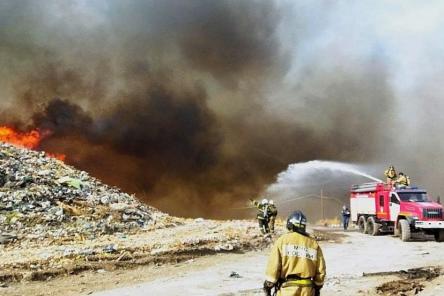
[[78, 266], [179, 242], [384, 260]]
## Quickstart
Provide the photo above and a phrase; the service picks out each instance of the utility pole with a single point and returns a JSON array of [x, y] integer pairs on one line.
[[322, 203]]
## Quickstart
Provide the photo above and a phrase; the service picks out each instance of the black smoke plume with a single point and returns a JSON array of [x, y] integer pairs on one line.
[[193, 105]]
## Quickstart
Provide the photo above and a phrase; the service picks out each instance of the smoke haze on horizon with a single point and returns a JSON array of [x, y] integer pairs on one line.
[[197, 105]]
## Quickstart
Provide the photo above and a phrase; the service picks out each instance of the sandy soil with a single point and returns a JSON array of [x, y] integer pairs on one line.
[[210, 275]]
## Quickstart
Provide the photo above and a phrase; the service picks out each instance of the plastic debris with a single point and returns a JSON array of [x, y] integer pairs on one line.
[[43, 198]]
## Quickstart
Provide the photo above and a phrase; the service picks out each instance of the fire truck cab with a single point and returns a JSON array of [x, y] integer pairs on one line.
[[381, 208]]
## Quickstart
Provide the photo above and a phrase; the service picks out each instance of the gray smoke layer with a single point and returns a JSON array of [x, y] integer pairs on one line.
[[197, 105]]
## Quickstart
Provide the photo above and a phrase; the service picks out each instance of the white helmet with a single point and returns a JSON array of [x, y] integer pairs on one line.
[[271, 202], [264, 201]]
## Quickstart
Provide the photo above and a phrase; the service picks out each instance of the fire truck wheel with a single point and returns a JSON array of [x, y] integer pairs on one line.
[[372, 226], [362, 224], [396, 230], [405, 229], [439, 236]]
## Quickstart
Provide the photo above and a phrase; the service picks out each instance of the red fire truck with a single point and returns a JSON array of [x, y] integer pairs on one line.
[[380, 208]]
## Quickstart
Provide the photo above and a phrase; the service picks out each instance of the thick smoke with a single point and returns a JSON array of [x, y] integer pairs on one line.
[[197, 105]]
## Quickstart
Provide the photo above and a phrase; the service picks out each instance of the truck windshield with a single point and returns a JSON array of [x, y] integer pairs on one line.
[[413, 196]]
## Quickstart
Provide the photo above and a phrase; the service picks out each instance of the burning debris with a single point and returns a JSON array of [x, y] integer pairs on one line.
[[29, 140], [43, 198]]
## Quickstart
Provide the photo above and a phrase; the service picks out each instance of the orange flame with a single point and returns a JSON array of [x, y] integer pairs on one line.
[[29, 140]]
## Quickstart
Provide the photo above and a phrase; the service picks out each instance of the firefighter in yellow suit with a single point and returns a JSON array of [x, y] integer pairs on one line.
[[296, 266], [273, 214], [402, 180], [391, 175]]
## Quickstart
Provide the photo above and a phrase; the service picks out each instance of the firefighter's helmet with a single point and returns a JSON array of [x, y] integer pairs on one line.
[[297, 222], [271, 202], [264, 201]]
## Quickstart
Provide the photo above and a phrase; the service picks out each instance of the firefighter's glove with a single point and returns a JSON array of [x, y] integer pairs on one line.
[[268, 286], [317, 290]]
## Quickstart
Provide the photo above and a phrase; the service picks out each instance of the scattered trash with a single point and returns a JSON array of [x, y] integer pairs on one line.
[[225, 247], [43, 198], [71, 182], [6, 238], [110, 249], [235, 275]]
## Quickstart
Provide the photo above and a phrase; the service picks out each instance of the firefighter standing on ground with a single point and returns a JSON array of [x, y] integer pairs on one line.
[[273, 214], [345, 216], [263, 215], [296, 266], [391, 175]]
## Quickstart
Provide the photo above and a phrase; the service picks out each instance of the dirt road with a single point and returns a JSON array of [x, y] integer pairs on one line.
[[347, 262], [210, 275]]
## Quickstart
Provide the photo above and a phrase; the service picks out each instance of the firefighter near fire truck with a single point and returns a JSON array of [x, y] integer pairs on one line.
[[391, 175], [345, 217], [403, 180], [381, 208], [296, 266]]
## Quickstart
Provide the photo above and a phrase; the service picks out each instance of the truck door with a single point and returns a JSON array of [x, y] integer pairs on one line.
[[394, 207], [382, 206]]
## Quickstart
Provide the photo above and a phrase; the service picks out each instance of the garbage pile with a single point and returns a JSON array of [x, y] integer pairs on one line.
[[43, 198]]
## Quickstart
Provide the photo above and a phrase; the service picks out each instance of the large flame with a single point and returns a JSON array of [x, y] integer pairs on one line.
[[29, 140]]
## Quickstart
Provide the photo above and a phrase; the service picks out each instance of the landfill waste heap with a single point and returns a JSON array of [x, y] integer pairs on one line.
[[43, 198], [59, 221]]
